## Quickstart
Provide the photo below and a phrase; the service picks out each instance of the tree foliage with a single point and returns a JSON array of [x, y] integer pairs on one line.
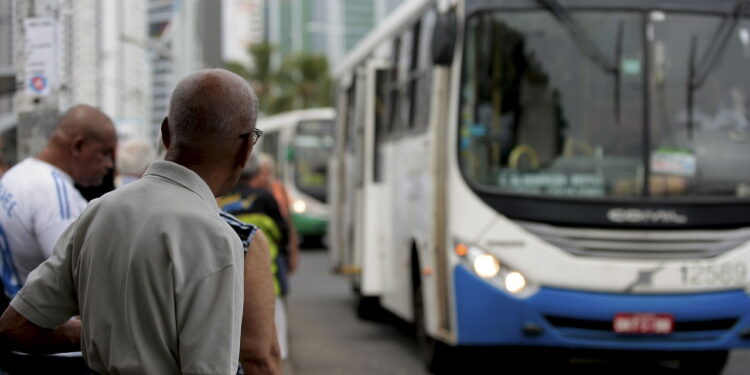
[[300, 81]]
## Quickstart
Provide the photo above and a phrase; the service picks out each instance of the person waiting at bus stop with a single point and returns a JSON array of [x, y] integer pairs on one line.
[[40, 200], [258, 207], [155, 273]]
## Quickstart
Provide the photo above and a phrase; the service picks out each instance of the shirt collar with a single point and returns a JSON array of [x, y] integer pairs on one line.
[[183, 176]]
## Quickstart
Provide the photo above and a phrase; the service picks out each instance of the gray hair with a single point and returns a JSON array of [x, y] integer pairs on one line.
[[267, 161], [252, 167], [133, 156], [206, 107]]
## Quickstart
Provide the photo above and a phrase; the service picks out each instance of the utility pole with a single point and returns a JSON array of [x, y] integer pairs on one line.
[[37, 48]]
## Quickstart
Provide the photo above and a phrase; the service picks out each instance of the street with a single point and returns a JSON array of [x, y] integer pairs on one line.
[[328, 339]]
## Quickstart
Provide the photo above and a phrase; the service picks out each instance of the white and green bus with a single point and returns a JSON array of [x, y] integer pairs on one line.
[[551, 173], [300, 143]]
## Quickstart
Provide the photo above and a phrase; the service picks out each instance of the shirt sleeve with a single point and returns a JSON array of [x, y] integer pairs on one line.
[[209, 322], [48, 298]]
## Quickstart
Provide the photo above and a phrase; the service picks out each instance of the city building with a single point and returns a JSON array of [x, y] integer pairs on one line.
[[243, 24], [327, 27], [91, 51], [184, 36]]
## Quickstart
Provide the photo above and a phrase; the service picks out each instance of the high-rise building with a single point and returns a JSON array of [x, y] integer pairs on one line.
[[7, 85], [327, 27], [104, 63], [185, 36], [162, 71], [92, 51], [243, 24], [7, 72]]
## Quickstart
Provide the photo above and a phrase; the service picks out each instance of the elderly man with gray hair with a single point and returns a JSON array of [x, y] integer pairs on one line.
[[156, 275], [133, 157]]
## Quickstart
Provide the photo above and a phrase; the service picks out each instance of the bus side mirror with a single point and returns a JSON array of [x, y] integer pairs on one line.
[[444, 38]]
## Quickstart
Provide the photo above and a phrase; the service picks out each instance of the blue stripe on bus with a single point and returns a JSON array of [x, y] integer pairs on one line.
[[485, 315], [8, 272]]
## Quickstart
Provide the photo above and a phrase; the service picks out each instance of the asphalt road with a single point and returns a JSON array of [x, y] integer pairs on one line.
[[328, 339]]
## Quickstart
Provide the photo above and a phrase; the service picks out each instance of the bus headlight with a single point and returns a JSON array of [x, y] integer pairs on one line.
[[299, 206], [486, 266], [489, 268], [515, 282]]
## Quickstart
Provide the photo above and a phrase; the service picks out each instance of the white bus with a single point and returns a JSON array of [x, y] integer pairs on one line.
[[301, 142], [546, 173]]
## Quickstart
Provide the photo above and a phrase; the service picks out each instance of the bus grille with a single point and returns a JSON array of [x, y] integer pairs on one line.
[[640, 244]]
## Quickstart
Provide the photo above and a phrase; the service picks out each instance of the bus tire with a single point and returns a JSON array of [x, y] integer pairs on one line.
[[710, 362], [369, 308], [436, 355]]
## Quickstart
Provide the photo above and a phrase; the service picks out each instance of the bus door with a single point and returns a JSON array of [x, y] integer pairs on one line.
[[372, 237]]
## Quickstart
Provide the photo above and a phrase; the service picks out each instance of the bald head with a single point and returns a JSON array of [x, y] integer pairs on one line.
[[82, 145], [211, 115], [210, 107], [87, 121]]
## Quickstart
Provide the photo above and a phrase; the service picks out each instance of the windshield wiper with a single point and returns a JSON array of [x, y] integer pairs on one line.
[[697, 75], [585, 44], [589, 48]]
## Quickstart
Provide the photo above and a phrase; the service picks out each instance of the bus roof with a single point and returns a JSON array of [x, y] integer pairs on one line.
[[392, 25], [291, 118]]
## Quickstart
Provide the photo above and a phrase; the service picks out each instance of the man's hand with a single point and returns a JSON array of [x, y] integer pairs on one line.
[[19, 334]]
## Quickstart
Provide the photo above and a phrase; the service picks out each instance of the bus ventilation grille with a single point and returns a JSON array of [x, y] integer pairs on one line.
[[640, 244]]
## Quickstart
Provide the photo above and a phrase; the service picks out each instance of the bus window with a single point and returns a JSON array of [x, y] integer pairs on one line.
[[351, 110], [540, 116], [313, 143], [404, 79], [413, 76], [424, 74], [392, 104], [381, 95]]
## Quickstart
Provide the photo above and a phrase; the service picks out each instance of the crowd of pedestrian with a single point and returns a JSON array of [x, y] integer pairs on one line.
[[153, 277]]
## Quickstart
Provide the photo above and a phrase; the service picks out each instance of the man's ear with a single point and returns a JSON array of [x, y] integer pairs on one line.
[[243, 153], [76, 147], [165, 135]]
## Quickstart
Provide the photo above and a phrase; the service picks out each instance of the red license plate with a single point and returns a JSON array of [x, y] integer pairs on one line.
[[643, 324]]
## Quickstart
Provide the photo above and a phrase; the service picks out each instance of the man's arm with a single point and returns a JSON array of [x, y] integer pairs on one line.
[[19, 334], [259, 348]]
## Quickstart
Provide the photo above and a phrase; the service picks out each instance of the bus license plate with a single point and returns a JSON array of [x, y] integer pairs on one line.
[[643, 324]]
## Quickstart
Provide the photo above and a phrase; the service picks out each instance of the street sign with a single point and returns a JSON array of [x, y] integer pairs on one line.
[[40, 60]]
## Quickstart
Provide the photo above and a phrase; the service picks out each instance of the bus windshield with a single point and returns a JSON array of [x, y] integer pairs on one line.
[[621, 104], [313, 144]]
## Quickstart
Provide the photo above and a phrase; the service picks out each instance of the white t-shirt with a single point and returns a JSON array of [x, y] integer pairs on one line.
[[37, 203]]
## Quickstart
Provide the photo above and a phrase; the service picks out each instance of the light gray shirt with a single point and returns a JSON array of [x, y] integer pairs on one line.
[[156, 275]]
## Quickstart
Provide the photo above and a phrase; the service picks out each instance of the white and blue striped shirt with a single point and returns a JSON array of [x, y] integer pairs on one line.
[[37, 203]]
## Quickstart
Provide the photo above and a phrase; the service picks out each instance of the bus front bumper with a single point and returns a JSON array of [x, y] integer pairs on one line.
[[308, 225], [563, 318]]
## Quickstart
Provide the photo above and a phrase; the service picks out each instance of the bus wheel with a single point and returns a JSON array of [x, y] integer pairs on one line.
[[368, 308], [711, 362], [436, 355]]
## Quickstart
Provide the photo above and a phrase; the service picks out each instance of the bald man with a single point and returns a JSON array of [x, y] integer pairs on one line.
[[39, 199], [153, 270]]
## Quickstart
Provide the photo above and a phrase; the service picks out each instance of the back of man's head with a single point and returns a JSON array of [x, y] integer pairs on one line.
[[210, 107], [207, 129]]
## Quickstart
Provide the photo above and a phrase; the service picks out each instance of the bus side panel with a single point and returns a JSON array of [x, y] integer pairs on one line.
[[408, 176]]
